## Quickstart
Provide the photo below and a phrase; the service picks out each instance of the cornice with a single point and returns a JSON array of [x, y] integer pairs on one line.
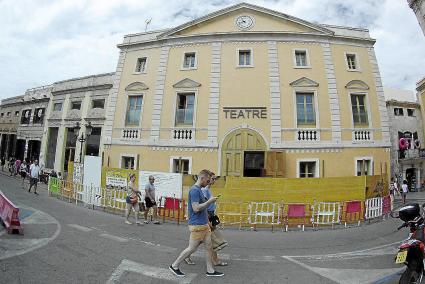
[[83, 89], [263, 36]]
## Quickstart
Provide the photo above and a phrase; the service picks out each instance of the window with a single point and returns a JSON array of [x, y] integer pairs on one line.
[[181, 166], [17, 113], [351, 61], [38, 115], [398, 111], [127, 162], [98, 104], [363, 167], [93, 142], [307, 169], [301, 58], [57, 107], [26, 116], [189, 61], [134, 110], [359, 109], [184, 111], [76, 105], [2, 114], [245, 58], [410, 112], [141, 65], [8, 113], [305, 108]]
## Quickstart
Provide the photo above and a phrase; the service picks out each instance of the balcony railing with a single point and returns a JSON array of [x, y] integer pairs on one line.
[[130, 134], [362, 135], [411, 154], [183, 134], [308, 135]]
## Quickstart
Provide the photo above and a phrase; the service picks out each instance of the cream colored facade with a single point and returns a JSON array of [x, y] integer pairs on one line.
[[245, 119]]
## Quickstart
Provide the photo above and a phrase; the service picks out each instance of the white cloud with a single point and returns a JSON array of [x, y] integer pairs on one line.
[[49, 40]]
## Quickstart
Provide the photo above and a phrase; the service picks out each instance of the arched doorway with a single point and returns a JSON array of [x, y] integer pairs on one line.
[[243, 153]]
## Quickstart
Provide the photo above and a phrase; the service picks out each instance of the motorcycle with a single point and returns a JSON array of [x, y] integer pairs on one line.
[[411, 252]]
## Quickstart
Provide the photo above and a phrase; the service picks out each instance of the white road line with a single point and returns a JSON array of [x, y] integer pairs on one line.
[[80, 228], [23, 246], [114, 238], [374, 251], [348, 276], [253, 258], [147, 270]]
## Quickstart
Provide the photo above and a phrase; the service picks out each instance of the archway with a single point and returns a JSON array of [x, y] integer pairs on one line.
[[243, 153]]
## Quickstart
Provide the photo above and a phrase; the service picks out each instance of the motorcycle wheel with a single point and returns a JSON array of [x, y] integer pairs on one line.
[[410, 277]]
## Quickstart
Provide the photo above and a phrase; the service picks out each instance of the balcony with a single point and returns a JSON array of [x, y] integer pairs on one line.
[[362, 135], [411, 154], [130, 134], [308, 135], [182, 134]]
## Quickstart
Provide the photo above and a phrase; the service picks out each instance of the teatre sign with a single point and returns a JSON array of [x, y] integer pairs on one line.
[[245, 112]]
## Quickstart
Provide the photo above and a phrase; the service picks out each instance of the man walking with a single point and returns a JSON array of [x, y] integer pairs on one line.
[[150, 200], [200, 231], [34, 176]]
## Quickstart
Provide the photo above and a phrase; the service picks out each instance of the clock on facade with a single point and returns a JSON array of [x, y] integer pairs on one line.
[[244, 22]]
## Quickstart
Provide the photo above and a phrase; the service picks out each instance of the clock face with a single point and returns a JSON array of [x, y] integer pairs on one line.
[[244, 22]]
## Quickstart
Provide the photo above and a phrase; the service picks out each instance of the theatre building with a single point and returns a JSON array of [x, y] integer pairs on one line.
[[247, 91]]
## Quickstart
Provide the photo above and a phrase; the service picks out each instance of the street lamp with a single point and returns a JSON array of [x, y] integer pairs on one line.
[[83, 138]]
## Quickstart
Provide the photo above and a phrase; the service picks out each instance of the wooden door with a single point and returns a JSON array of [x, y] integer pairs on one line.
[[233, 148], [275, 164]]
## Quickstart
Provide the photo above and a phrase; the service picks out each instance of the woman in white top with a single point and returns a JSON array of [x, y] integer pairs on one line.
[[132, 200], [404, 190]]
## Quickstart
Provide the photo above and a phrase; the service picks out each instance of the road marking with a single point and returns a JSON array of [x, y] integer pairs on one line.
[[253, 258], [114, 238], [80, 228], [348, 276], [19, 246], [39, 218], [374, 251], [147, 270]]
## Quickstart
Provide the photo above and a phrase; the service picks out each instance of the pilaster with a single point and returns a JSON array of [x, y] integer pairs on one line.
[[213, 107], [274, 87]]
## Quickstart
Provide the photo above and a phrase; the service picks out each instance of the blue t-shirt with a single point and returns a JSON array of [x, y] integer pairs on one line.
[[207, 193], [196, 195]]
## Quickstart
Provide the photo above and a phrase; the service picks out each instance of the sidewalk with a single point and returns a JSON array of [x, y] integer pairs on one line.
[[412, 197]]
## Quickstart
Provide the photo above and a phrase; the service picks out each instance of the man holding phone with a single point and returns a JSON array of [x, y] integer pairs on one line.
[[200, 231]]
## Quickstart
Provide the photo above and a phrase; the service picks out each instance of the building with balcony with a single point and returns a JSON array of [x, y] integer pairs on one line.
[[76, 109], [249, 91], [30, 131], [10, 117], [407, 136]]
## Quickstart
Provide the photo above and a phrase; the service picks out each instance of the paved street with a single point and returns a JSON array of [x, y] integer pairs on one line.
[[65, 243]]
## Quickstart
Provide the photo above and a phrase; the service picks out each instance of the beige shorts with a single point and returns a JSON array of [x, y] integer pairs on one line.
[[199, 232]]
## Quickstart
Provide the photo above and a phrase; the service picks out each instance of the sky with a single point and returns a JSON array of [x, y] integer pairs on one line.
[[44, 41]]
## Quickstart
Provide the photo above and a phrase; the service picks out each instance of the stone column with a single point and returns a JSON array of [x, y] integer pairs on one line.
[[26, 149]]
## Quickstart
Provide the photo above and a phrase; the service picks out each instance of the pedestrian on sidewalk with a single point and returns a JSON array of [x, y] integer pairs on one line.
[[132, 200], [23, 172], [404, 190], [3, 162], [17, 166], [396, 189], [200, 231], [34, 176], [150, 201], [217, 240], [11, 165]]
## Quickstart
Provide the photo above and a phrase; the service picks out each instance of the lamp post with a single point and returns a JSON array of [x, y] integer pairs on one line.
[[83, 138]]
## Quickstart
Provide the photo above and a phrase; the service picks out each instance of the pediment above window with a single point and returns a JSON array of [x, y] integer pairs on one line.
[[187, 83], [136, 87], [357, 85], [304, 82]]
